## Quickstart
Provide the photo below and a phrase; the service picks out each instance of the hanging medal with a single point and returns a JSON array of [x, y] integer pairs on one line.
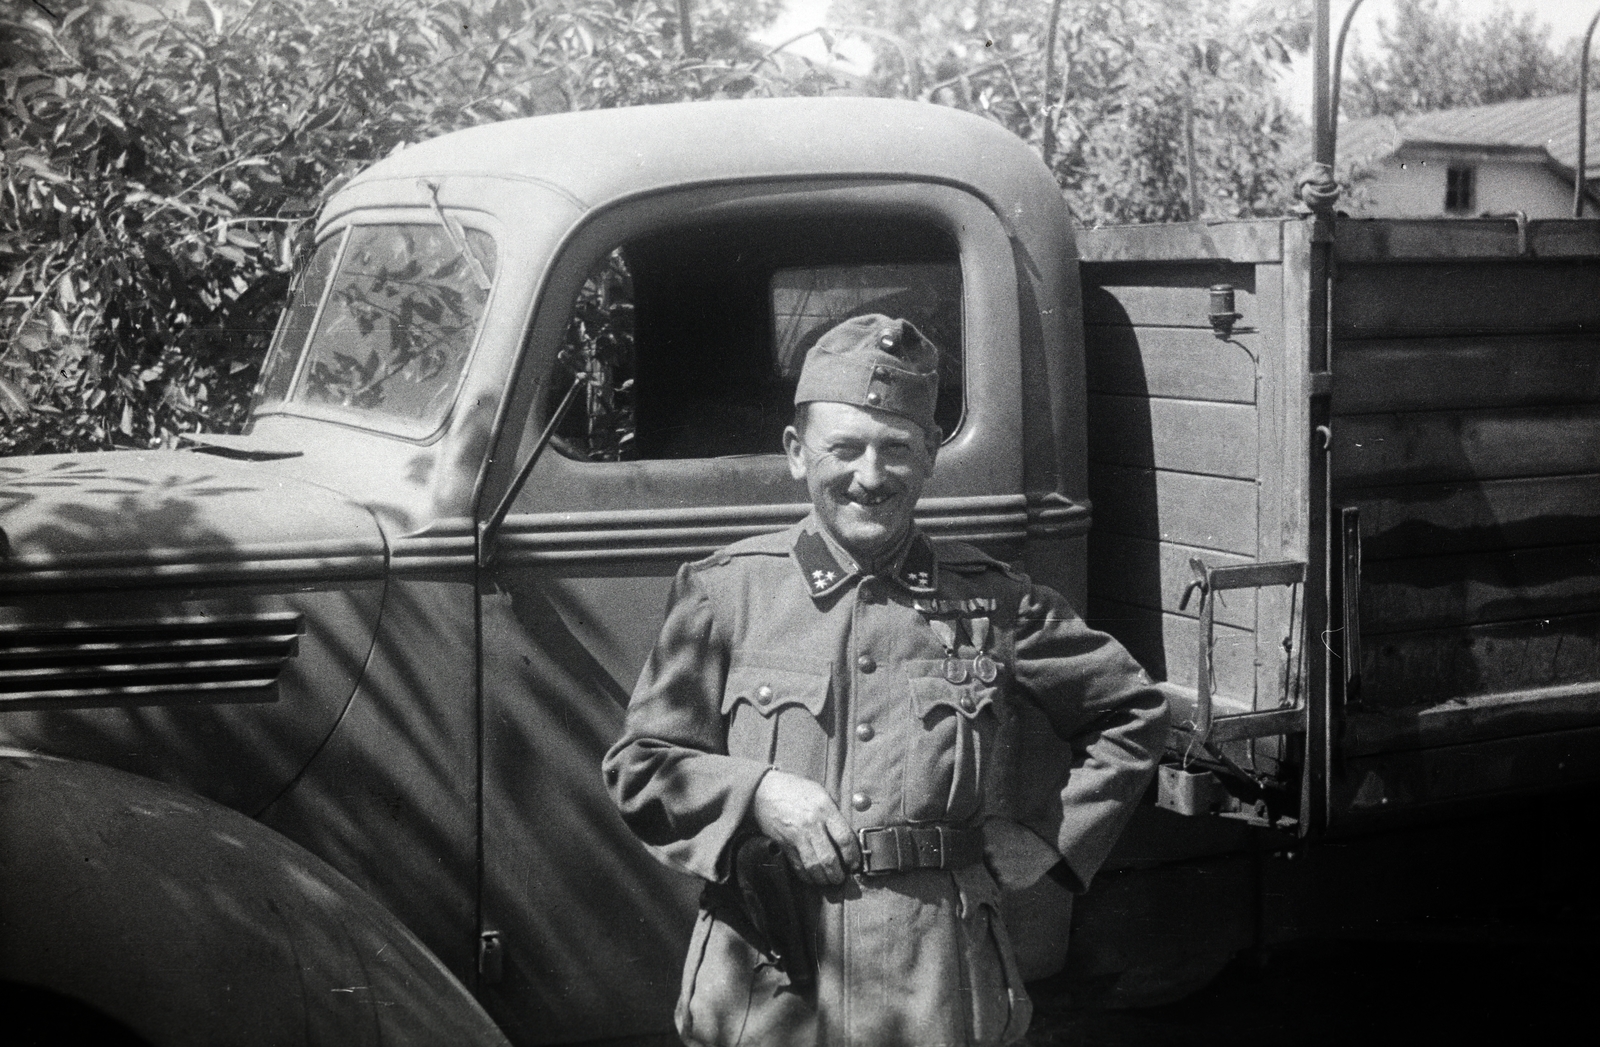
[[984, 667], [955, 670]]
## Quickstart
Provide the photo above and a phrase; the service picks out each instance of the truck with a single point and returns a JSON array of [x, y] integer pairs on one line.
[[302, 726]]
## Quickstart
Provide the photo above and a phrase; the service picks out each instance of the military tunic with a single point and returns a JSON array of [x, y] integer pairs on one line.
[[777, 654]]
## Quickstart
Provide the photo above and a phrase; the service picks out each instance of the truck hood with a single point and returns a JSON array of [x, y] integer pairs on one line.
[[181, 616], [173, 517]]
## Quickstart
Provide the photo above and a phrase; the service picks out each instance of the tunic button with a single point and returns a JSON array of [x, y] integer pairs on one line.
[[763, 695], [860, 801], [966, 702], [864, 731], [866, 664], [873, 398], [867, 591]]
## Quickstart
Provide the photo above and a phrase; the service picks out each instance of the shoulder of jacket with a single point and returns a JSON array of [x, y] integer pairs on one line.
[[777, 543], [967, 559]]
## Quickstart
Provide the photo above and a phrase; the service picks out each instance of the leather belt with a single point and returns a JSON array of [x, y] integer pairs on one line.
[[902, 848]]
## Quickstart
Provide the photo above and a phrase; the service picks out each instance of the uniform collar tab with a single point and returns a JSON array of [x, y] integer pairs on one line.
[[823, 573], [919, 569]]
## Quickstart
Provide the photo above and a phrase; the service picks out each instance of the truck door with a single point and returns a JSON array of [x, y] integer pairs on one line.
[[1465, 477], [687, 314]]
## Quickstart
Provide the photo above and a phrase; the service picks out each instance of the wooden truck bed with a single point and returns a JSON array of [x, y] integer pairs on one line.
[[1464, 487]]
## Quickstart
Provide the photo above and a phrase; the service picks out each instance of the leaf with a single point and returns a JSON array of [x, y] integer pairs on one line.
[[207, 11], [76, 14], [13, 402]]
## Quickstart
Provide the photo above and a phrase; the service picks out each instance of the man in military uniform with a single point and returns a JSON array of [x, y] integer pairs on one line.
[[856, 693]]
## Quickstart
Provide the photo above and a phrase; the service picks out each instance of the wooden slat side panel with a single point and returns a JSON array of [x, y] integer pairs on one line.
[[1431, 374], [1184, 435], [1176, 363], [1204, 511], [1445, 446], [1175, 446], [1481, 717], [1154, 575], [1162, 294], [1165, 645], [1453, 239], [1432, 666], [1254, 241], [1472, 516], [1474, 588], [1398, 300]]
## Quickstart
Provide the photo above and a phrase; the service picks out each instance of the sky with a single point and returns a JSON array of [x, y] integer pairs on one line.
[[1567, 19]]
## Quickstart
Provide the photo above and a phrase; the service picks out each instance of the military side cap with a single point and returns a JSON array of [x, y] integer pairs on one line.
[[874, 361]]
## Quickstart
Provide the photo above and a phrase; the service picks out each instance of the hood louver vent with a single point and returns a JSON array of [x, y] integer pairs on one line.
[[174, 661]]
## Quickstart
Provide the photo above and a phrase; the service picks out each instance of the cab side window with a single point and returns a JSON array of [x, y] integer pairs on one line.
[[692, 339]]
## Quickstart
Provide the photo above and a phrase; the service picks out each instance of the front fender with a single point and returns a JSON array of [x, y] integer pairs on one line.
[[191, 924]]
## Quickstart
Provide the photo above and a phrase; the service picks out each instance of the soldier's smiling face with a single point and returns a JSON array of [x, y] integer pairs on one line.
[[864, 469]]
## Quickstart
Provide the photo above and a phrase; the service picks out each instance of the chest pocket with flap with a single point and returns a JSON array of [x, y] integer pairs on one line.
[[774, 715], [948, 758]]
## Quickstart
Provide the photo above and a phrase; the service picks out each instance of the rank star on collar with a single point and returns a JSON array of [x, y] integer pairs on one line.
[[822, 579]]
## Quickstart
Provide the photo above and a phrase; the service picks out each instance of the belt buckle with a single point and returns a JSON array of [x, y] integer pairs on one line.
[[879, 846]]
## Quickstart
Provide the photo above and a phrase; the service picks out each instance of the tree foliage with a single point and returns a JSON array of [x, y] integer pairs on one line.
[[163, 162], [159, 165], [1132, 83], [1429, 57]]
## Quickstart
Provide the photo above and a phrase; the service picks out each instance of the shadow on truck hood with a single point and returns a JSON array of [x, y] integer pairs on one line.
[[166, 517], [191, 619]]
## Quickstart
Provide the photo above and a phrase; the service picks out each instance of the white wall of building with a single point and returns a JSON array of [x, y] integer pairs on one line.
[[1403, 186]]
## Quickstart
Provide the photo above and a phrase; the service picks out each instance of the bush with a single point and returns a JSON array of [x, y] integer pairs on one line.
[[162, 165]]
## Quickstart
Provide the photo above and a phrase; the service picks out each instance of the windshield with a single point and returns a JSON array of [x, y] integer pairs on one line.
[[380, 325]]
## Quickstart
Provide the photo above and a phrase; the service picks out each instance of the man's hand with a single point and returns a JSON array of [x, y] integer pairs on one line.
[[802, 817]]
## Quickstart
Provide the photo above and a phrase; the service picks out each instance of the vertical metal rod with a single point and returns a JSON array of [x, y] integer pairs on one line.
[[685, 30], [1188, 145], [1046, 110], [1578, 173], [1320, 579], [1334, 81], [1350, 595], [1322, 139]]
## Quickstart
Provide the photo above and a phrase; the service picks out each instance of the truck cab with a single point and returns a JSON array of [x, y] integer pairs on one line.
[[528, 370]]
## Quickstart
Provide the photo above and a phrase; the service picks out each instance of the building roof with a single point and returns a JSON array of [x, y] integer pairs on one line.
[[1528, 126]]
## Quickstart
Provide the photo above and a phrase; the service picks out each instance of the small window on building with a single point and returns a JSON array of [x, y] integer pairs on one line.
[[1460, 190], [692, 338]]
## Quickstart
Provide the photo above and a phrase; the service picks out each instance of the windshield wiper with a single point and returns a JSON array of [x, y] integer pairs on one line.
[[457, 235]]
